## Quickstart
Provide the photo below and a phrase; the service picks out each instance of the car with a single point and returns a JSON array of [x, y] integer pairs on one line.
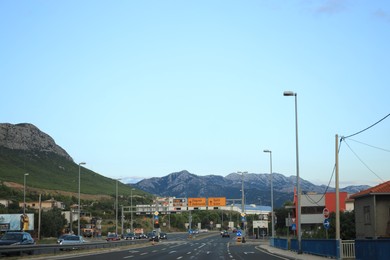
[[152, 236], [163, 235], [113, 237], [70, 240], [225, 234], [129, 236], [140, 236], [17, 238]]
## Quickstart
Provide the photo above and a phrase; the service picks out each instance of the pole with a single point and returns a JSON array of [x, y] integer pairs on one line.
[[131, 209], [79, 215], [122, 217], [272, 195], [24, 194], [337, 199], [39, 217], [298, 179], [116, 209]]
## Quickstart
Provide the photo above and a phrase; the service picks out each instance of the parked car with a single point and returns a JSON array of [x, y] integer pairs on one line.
[[129, 236], [163, 235], [70, 240], [113, 237], [225, 234], [17, 238]]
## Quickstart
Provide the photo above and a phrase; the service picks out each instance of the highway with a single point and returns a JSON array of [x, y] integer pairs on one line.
[[180, 247]]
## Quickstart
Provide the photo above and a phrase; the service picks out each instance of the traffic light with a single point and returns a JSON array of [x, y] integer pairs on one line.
[[156, 224]]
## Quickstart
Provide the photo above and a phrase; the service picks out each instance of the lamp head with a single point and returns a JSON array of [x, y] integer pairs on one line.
[[267, 151], [289, 93]]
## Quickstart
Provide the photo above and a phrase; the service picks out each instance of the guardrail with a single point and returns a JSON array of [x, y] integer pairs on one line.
[[57, 249]]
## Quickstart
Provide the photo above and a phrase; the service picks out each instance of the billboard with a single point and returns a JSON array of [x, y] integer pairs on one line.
[[196, 202], [217, 202], [16, 222]]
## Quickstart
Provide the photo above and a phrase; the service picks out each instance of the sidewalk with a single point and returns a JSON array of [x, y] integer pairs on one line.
[[289, 254]]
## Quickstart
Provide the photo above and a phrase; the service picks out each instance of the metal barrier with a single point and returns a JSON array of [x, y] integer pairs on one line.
[[347, 249]]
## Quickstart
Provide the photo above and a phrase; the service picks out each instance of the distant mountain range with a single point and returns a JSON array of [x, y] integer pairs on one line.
[[257, 187]]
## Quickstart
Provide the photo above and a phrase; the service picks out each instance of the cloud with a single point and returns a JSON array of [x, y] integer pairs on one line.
[[332, 6], [382, 15]]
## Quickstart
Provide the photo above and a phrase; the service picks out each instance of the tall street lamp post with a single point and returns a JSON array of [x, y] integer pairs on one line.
[[289, 94], [272, 195], [24, 194], [131, 209], [78, 220], [116, 207]]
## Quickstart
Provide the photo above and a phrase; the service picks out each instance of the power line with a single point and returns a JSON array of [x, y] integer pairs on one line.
[[383, 149], [366, 128], [363, 162]]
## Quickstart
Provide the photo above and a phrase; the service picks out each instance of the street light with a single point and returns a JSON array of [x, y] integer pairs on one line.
[[131, 209], [290, 94], [78, 220], [243, 203], [272, 195], [116, 208], [24, 194]]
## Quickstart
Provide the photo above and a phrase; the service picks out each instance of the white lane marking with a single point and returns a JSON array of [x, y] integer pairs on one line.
[[180, 257], [172, 252], [130, 256], [144, 253]]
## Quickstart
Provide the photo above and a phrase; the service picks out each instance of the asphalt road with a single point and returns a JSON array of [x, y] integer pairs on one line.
[[180, 247]]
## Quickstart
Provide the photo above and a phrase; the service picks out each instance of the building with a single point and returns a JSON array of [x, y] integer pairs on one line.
[[45, 205], [312, 208], [372, 212]]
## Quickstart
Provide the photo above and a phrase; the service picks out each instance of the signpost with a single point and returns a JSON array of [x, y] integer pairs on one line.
[[325, 212], [217, 202], [196, 202]]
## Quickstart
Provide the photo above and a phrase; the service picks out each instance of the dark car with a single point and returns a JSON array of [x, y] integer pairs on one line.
[[129, 236], [163, 235], [225, 234], [113, 237], [152, 236], [17, 239]]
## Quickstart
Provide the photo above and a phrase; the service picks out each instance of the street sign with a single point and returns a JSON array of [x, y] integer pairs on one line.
[[325, 212], [326, 223], [293, 226], [243, 214], [238, 233], [156, 213], [196, 202], [217, 202]]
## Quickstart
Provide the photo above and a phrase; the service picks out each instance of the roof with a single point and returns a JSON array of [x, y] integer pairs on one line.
[[383, 188]]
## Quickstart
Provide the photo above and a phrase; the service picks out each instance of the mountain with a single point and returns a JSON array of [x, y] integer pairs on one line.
[[257, 187], [26, 149]]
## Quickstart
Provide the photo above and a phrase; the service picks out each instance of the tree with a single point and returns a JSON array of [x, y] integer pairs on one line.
[[52, 223]]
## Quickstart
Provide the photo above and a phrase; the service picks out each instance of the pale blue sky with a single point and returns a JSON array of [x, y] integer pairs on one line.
[[141, 89]]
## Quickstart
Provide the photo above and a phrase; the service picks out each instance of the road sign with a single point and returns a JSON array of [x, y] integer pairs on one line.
[[238, 233], [243, 214], [293, 226], [217, 202], [196, 202], [326, 223], [325, 212], [156, 213]]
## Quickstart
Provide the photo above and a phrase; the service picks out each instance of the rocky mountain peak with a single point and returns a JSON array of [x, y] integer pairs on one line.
[[26, 136]]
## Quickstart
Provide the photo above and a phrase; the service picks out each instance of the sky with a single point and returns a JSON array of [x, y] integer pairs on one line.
[[141, 89]]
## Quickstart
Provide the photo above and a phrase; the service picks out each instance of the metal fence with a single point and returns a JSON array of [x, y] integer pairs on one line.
[[347, 249]]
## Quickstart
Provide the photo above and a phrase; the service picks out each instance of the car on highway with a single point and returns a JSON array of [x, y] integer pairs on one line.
[[17, 238], [130, 236], [163, 235], [140, 236], [152, 236], [70, 240], [225, 234], [113, 237]]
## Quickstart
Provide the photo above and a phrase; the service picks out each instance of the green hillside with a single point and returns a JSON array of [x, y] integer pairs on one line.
[[50, 171]]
